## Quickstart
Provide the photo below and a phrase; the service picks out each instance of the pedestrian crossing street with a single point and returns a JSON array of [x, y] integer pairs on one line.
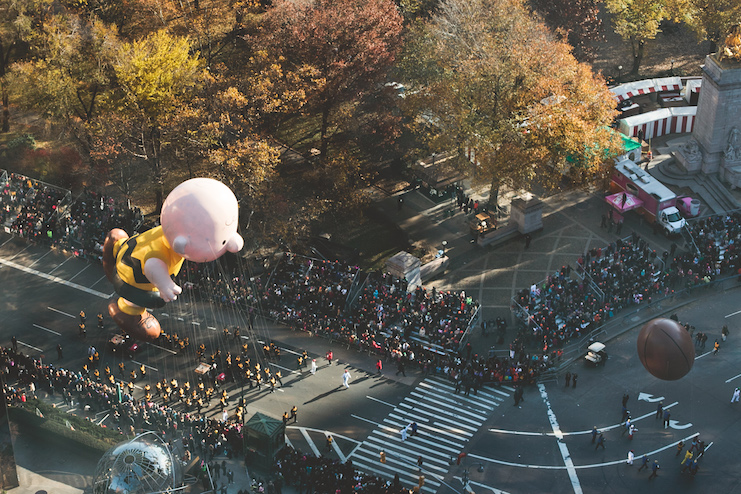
[[446, 422]]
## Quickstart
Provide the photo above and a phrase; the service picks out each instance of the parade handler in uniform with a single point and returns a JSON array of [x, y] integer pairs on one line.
[[199, 222]]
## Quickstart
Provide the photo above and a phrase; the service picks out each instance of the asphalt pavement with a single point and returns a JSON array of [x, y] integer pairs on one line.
[[41, 292]]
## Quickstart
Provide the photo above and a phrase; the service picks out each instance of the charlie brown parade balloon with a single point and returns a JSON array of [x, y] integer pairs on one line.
[[198, 222]]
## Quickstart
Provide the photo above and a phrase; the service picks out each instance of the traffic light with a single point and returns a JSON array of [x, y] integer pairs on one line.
[[383, 457]]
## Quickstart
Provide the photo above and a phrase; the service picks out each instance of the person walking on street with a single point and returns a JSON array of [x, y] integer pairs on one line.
[[330, 355], [568, 379], [346, 379], [573, 380], [660, 410], [644, 463], [716, 347], [379, 366], [686, 460], [667, 416], [654, 470], [600, 442], [594, 434], [329, 443], [294, 414], [313, 366], [631, 431], [680, 447], [631, 457], [734, 398], [528, 238], [61, 356], [400, 368], [518, 395], [14, 343]]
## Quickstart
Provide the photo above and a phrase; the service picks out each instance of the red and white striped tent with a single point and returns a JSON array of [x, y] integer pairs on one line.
[[646, 86], [677, 120], [692, 86]]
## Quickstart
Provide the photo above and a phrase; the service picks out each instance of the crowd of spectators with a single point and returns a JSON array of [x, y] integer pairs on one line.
[[24, 378], [625, 274], [319, 474], [42, 213]]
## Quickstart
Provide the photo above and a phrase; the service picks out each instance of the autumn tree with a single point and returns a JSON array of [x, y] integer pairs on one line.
[[350, 43], [155, 77], [526, 112], [18, 20], [637, 21], [710, 20], [72, 74], [577, 21]]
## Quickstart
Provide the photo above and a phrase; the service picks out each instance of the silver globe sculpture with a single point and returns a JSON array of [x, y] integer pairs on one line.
[[142, 465]]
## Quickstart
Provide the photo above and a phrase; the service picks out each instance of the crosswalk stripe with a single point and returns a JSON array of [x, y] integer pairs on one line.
[[449, 393], [453, 403], [447, 429], [431, 485], [431, 428], [446, 423], [444, 413], [486, 392], [373, 464], [393, 433], [404, 447], [470, 402]]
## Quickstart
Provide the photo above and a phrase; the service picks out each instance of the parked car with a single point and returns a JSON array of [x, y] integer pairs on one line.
[[596, 354]]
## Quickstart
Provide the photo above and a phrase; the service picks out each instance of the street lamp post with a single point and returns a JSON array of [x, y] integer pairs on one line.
[[671, 70], [620, 74]]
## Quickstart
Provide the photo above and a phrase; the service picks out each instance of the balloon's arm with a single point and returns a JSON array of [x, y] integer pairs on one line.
[[156, 271]]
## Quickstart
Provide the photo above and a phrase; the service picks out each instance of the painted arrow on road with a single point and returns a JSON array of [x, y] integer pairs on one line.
[[674, 424], [649, 398]]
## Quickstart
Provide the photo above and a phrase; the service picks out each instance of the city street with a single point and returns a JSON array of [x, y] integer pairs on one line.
[[517, 449]]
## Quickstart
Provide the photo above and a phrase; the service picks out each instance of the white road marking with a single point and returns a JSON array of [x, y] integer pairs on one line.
[[727, 316], [703, 355], [649, 398], [79, 272], [47, 329], [337, 450], [103, 419], [163, 348], [310, 442], [19, 253], [145, 365], [285, 368], [380, 401], [60, 265], [60, 312], [40, 258], [580, 467], [731, 379], [488, 487], [30, 346], [54, 279], [576, 433], [359, 418], [561, 445]]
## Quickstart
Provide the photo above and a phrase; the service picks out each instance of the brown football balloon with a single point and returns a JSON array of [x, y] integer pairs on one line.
[[665, 349]]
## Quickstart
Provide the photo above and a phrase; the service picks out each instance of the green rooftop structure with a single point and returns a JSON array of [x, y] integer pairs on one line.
[[264, 437]]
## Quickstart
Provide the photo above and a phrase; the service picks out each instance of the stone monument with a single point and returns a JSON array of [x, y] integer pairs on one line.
[[405, 265], [527, 215], [689, 156], [718, 114]]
